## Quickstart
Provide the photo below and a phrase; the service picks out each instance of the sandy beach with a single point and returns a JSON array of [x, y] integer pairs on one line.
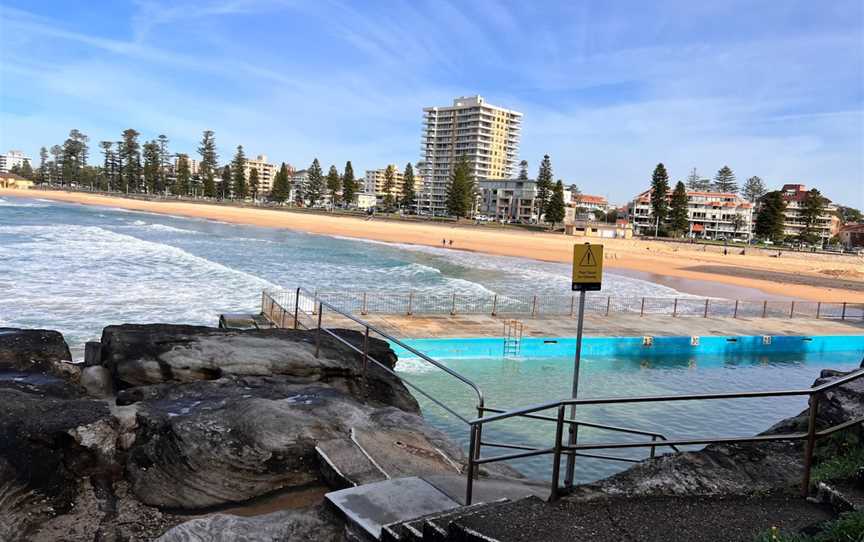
[[792, 275]]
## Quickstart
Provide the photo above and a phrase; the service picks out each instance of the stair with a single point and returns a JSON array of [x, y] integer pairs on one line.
[[512, 338]]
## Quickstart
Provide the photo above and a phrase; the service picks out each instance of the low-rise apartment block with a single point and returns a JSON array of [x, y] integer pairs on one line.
[[508, 199], [375, 179], [12, 159], [711, 215], [589, 203], [266, 172], [794, 195]]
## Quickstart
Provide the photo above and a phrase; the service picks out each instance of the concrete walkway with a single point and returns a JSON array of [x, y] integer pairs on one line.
[[619, 325]]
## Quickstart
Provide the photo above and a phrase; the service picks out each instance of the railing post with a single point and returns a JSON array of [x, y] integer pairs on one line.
[[495, 305], [318, 331], [410, 302], [453, 305], [556, 455], [764, 308], [608, 304], [706, 309], [843, 314], [653, 448], [472, 448], [792, 309], [818, 309], [642, 310], [572, 304], [365, 351], [735, 313], [675, 308], [282, 318], [363, 309], [296, 308], [263, 302], [534, 306], [810, 445]]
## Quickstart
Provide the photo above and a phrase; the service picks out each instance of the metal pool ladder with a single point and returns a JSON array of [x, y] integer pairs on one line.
[[512, 337]]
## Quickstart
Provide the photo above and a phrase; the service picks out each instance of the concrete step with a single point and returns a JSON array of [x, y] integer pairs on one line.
[[343, 464], [488, 489], [403, 454], [440, 528], [372, 506]]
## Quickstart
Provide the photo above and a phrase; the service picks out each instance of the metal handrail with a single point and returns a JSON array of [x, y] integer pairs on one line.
[[559, 449]]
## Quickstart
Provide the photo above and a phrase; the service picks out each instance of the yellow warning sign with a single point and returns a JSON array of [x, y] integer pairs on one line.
[[587, 267]]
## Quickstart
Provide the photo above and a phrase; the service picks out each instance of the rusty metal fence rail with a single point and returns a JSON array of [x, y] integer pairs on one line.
[[527, 305]]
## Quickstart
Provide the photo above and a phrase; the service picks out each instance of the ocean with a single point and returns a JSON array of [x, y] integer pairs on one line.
[[76, 268]]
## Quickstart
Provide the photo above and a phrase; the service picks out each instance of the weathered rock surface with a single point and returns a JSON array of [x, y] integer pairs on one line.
[[734, 469], [32, 350], [283, 526]]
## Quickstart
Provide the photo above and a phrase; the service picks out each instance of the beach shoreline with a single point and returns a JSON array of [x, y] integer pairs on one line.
[[800, 278]]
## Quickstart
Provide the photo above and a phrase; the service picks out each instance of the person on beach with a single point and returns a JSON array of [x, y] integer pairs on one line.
[[444, 243], [451, 243]]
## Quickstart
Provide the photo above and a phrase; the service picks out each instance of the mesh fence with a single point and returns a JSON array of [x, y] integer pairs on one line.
[[279, 305]]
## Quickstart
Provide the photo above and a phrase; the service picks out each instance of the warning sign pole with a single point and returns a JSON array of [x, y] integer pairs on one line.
[[587, 275]]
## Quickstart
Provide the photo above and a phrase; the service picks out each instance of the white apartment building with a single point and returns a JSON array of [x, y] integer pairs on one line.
[[508, 199], [266, 172], [11, 159], [193, 164], [794, 195], [589, 203], [712, 215], [487, 136], [374, 181], [299, 182]]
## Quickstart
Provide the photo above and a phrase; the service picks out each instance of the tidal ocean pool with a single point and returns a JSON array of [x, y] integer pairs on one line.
[[511, 383]]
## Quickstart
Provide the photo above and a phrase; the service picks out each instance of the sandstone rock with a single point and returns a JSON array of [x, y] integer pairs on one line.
[[289, 525], [142, 355], [32, 350], [97, 381]]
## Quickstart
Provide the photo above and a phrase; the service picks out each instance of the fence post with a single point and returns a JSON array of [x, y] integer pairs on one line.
[[365, 351], [642, 310], [608, 304], [410, 302], [318, 331], [818, 309], [735, 314], [472, 444], [282, 319], [263, 301], [534, 306], [653, 448], [810, 445], [363, 309], [792, 309], [495, 305], [572, 303], [296, 308], [675, 308], [843, 314], [764, 308], [453, 305], [556, 455], [706, 308]]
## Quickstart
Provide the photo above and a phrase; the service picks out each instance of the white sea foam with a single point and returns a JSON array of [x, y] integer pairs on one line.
[[172, 229]]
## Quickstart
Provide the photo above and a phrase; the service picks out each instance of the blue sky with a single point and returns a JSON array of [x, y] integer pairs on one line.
[[608, 89]]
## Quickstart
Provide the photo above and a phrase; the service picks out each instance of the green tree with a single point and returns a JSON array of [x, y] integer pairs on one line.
[[349, 185], [738, 223], [281, 188], [523, 170], [238, 174], [334, 184], [164, 163], [696, 183], [848, 215], [460, 190], [208, 165], [555, 210], [725, 181], [389, 187], [74, 156], [315, 185], [770, 217], [544, 185], [812, 210], [224, 189], [659, 192], [152, 164], [109, 165], [27, 171], [753, 189], [43, 165], [409, 193], [678, 219], [254, 183], [184, 176], [56, 164], [130, 157]]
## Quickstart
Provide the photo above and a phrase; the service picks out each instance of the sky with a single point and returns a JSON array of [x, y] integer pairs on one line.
[[608, 89]]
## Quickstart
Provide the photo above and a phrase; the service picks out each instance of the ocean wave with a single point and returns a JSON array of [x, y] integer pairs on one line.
[[171, 229], [7, 203]]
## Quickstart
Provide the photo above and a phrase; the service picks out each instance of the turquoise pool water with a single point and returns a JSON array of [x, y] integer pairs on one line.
[[623, 367]]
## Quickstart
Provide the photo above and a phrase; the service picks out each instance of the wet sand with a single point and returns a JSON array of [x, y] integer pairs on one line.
[[795, 275]]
